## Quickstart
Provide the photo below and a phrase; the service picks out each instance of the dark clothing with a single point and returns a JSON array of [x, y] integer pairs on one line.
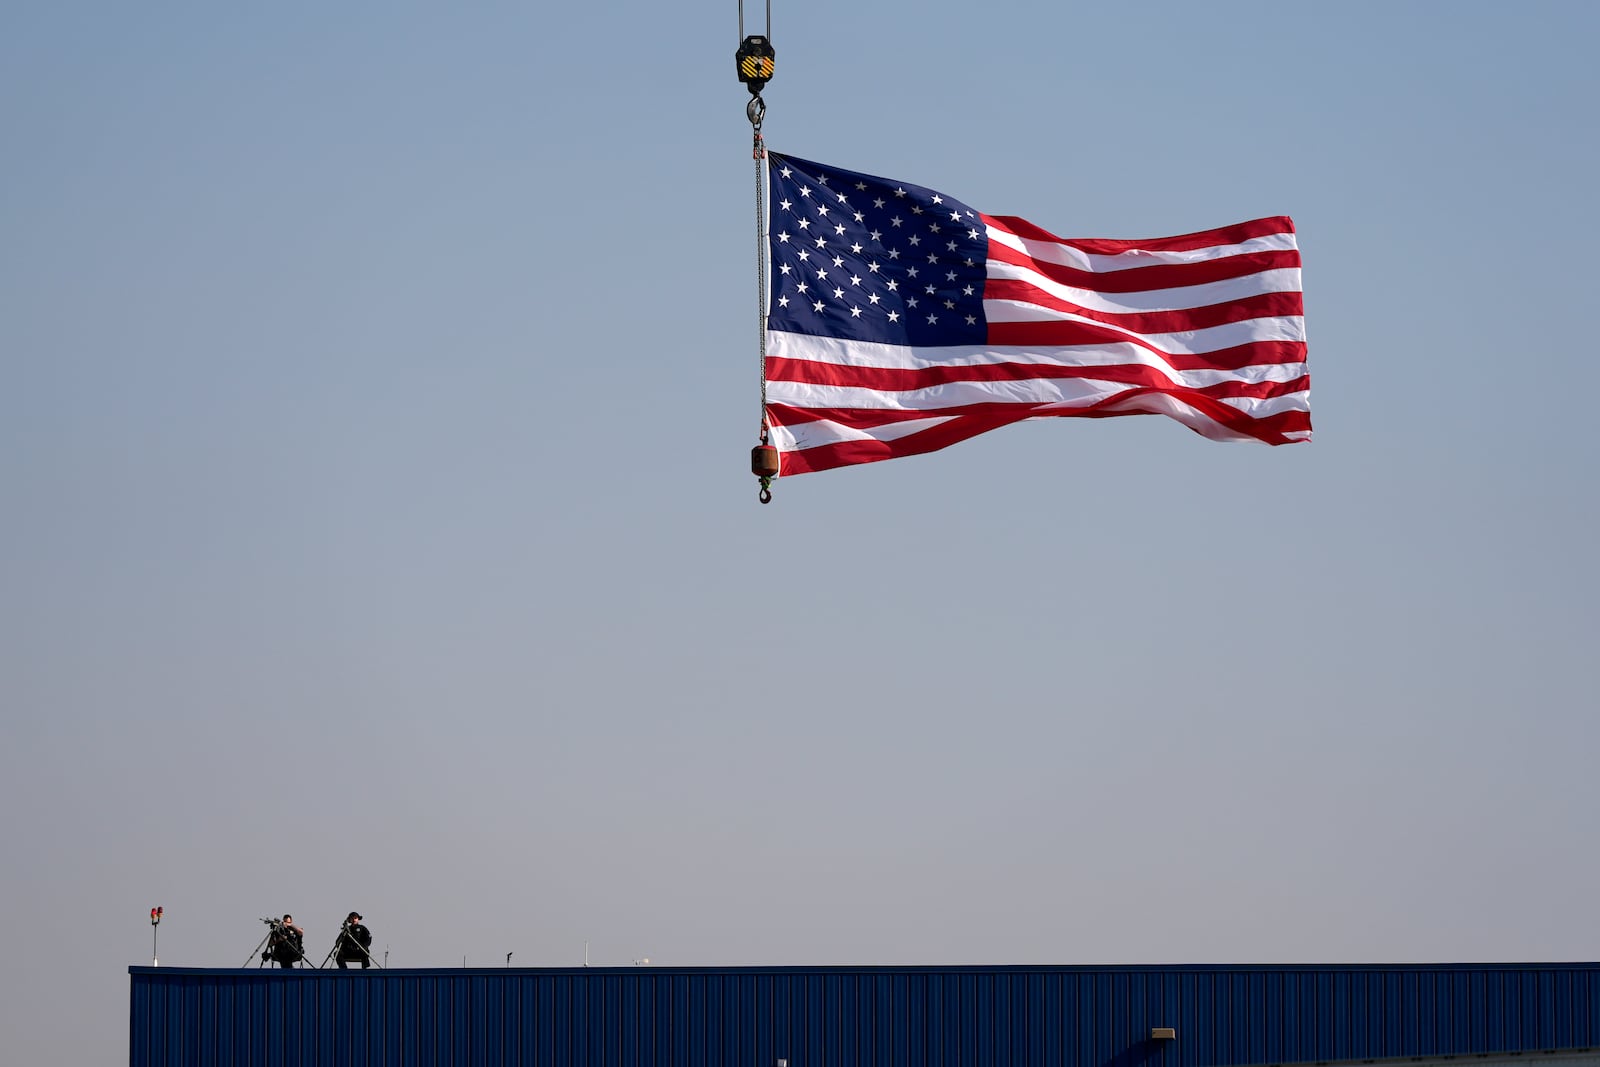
[[286, 946], [354, 941]]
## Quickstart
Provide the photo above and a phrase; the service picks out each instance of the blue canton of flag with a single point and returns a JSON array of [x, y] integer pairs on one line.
[[861, 258]]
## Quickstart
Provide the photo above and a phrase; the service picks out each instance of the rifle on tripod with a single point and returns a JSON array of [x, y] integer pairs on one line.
[[352, 936]]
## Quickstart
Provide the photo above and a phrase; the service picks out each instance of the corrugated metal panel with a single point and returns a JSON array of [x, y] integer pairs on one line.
[[852, 1017]]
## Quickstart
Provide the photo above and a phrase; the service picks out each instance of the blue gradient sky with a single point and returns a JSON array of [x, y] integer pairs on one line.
[[378, 390]]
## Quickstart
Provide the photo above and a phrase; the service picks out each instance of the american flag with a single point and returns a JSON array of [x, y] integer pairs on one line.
[[900, 321]]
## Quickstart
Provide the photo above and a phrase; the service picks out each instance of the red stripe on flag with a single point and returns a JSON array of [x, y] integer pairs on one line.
[[905, 379], [845, 453], [1156, 276], [1188, 242], [1065, 334], [1255, 306]]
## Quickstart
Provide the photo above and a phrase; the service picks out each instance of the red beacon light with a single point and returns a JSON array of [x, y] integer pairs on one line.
[[155, 924]]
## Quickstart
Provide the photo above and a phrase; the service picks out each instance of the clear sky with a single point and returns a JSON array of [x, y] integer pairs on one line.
[[378, 385]]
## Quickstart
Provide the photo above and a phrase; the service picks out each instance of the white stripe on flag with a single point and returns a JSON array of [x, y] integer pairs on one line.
[[820, 432], [786, 345], [1195, 342], [1068, 256], [1285, 280], [1065, 392]]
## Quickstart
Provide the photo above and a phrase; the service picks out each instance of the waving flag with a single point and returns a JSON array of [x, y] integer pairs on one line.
[[900, 321]]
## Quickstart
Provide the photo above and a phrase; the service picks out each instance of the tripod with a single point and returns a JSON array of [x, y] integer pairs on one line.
[[274, 929], [347, 938]]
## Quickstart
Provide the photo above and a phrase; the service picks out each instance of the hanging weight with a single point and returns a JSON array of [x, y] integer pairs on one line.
[[764, 461]]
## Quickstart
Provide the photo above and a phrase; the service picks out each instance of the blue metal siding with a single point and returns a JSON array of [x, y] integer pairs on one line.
[[856, 1017]]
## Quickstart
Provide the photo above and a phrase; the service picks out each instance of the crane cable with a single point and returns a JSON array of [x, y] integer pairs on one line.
[[758, 152], [756, 62]]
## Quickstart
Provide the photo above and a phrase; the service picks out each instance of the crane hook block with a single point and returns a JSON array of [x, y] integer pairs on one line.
[[756, 61], [764, 461]]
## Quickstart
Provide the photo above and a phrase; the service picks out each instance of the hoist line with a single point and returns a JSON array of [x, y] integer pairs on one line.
[[741, 18], [761, 273], [755, 62]]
